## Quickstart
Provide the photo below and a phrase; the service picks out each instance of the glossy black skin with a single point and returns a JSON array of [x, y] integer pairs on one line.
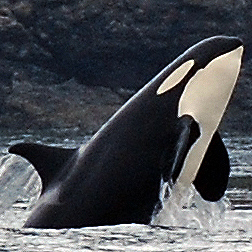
[[116, 179]]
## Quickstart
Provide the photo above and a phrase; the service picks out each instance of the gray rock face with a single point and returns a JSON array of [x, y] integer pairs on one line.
[[86, 43]]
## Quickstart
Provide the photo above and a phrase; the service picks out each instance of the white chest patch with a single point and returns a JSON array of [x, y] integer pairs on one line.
[[205, 98]]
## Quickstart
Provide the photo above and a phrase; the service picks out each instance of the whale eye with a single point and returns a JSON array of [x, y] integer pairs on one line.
[[175, 77]]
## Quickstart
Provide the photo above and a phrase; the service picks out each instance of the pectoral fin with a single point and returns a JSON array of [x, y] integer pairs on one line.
[[189, 132], [212, 178]]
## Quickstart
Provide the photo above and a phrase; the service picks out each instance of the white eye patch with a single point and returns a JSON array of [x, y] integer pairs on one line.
[[175, 77]]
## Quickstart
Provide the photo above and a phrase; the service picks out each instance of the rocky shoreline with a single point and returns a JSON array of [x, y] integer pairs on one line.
[[67, 64]]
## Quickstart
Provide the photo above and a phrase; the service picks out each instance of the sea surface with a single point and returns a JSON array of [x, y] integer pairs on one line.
[[195, 225]]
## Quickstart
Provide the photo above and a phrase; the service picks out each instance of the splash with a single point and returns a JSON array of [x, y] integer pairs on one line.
[[184, 207], [18, 183]]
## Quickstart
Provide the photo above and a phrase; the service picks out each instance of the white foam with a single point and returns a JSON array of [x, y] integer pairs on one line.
[[18, 182], [186, 208]]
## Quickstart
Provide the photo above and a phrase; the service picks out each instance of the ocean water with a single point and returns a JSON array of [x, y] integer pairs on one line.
[[192, 224]]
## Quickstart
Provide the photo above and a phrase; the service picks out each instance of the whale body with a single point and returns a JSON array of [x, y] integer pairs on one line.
[[166, 132]]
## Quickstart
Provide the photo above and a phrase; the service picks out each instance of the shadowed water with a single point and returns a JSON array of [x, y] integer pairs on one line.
[[188, 224]]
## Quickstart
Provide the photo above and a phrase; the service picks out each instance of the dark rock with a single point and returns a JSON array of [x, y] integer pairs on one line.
[[123, 43], [66, 105]]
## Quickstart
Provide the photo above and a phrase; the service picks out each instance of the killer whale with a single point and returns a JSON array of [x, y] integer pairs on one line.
[[168, 130]]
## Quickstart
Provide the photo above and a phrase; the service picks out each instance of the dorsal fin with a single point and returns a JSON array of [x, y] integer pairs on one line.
[[47, 160]]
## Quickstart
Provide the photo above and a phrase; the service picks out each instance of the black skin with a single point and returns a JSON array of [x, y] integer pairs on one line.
[[116, 179]]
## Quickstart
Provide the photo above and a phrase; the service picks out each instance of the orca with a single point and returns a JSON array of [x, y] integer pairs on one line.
[[166, 132]]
